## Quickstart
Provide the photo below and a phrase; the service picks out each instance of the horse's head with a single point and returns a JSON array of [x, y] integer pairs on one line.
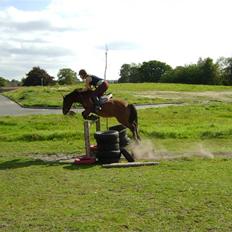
[[69, 99], [67, 103], [78, 95]]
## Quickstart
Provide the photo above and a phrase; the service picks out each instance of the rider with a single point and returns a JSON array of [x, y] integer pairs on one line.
[[100, 87]]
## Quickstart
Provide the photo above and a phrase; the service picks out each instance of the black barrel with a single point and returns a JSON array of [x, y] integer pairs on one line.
[[108, 149], [123, 138]]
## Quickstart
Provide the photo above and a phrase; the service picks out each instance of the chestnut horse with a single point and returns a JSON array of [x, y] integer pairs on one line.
[[125, 113]]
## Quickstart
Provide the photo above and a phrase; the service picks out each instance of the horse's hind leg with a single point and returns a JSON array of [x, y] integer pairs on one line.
[[137, 133], [132, 126], [134, 129]]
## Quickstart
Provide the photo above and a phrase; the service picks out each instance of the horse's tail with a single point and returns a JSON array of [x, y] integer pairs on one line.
[[133, 117]]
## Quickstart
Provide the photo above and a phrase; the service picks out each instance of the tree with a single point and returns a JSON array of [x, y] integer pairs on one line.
[[67, 76], [3, 82], [129, 73], [147, 72], [204, 72], [153, 70], [181, 74], [135, 74], [208, 71], [37, 76], [225, 68], [124, 73]]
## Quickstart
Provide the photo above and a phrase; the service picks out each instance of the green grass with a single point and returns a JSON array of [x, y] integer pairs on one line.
[[185, 194], [189, 191], [43, 134], [38, 96], [206, 124], [191, 121], [173, 196], [134, 93]]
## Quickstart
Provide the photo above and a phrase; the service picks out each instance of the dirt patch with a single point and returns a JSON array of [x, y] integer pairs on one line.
[[57, 157], [224, 96]]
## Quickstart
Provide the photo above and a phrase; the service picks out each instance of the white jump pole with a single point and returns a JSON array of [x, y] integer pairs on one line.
[[87, 125], [87, 137]]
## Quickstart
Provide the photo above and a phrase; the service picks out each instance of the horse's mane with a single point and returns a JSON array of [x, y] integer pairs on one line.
[[78, 91], [84, 93]]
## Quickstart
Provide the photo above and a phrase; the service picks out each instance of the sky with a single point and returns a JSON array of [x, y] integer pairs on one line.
[[56, 34]]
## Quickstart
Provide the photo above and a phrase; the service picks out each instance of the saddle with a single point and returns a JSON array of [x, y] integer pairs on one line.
[[105, 98]]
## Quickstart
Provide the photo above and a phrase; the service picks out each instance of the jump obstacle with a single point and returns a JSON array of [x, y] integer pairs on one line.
[[87, 124]]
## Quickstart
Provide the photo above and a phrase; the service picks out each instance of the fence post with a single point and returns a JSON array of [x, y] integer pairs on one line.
[[87, 125], [98, 124], [87, 138]]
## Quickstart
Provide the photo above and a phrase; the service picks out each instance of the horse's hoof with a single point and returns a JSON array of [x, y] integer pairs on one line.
[[92, 117], [137, 141], [71, 113]]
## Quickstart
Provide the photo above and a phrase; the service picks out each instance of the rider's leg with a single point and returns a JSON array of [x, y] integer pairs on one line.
[[99, 91], [97, 105]]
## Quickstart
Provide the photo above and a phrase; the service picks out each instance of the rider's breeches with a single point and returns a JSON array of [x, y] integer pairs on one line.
[[100, 90]]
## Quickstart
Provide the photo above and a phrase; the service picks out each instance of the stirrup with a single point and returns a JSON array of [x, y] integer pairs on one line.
[[97, 108]]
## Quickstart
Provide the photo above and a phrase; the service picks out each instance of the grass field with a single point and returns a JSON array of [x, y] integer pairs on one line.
[[134, 93], [189, 190], [180, 195]]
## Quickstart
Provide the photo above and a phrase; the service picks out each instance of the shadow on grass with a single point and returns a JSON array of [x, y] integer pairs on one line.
[[19, 163], [80, 166]]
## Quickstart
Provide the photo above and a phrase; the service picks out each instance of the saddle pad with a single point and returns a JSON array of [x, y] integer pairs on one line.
[[105, 98]]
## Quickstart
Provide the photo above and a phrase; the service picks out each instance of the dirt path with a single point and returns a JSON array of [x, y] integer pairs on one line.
[[205, 96], [8, 107]]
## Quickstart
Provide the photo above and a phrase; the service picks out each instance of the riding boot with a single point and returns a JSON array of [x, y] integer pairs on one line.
[[97, 105]]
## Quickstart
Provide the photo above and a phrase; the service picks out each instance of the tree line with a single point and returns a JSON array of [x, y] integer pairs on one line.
[[38, 76], [205, 71]]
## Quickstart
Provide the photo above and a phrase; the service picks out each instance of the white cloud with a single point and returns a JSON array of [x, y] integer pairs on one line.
[[74, 33]]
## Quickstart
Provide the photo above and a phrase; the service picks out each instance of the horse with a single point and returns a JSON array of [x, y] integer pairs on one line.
[[125, 113]]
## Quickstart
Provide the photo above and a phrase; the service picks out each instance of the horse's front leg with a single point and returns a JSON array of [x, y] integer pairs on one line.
[[86, 115]]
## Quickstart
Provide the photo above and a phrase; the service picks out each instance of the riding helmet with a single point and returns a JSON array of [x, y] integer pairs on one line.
[[82, 72]]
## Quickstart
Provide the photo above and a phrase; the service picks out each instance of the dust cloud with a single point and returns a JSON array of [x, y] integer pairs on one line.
[[146, 150], [203, 151]]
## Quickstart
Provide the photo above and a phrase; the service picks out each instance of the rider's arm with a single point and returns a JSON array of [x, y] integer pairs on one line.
[[87, 82]]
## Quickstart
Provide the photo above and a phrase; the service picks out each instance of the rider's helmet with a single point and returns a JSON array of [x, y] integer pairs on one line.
[[82, 73]]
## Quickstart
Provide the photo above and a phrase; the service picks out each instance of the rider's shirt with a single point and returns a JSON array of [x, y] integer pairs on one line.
[[96, 81]]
